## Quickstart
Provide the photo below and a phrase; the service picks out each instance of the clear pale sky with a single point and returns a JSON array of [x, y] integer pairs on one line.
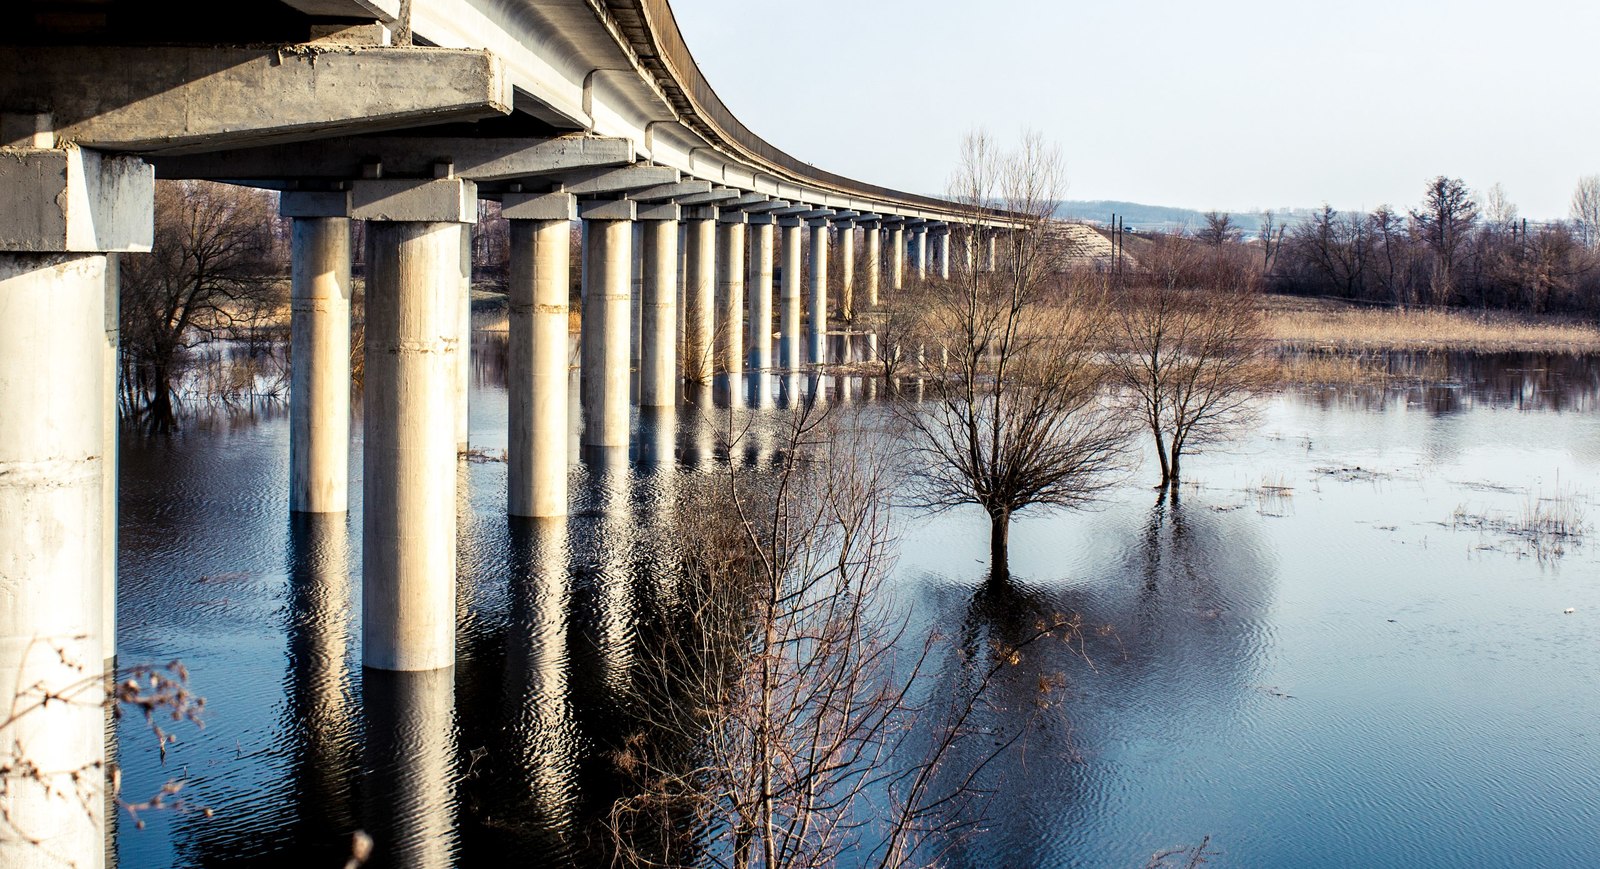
[[1231, 105]]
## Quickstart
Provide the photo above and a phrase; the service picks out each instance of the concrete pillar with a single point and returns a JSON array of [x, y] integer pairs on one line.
[[636, 302], [62, 209], [989, 255], [919, 250], [730, 295], [789, 296], [897, 256], [464, 351], [319, 338], [941, 254], [608, 282], [847, 269], [817, 333], [874, 264], [413, 338], [108, 481], [762, 232], [52, 514], [536, 449], [658, 360], [700, 279]]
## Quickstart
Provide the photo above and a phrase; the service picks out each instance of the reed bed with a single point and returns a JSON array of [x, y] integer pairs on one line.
[[1348, 328]]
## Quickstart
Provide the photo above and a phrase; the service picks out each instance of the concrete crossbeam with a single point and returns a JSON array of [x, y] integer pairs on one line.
[[539, 206], [443, 200], [172, 99], [671, 191], [717, 196], [338, 159], [377, 10], [620, 180]]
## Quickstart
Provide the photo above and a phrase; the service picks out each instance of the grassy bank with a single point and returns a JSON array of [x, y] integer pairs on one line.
[[1316, 324]]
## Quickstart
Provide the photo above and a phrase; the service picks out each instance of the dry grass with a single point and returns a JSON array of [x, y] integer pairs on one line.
[[1309, 324], [1330, 369]]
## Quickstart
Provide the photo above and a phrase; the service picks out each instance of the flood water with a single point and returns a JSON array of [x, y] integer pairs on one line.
[[1338, 648]]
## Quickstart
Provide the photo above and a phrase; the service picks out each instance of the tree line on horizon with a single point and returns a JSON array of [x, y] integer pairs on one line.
[[1455, 249]]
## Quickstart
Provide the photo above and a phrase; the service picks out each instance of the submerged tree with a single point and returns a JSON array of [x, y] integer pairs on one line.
[[1191, 337], [780, 725], [1018, 416], [211, 250]]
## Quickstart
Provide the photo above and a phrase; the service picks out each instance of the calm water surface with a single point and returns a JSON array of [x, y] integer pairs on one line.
[[1335, 649]]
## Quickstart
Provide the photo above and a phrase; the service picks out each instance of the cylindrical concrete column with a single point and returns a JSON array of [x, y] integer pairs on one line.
[[897, 257], [658, 361], [52, 513], [919, 249], [607, 278], [464, 348], [989, 255], [941, 254], [789, 298], [730, 300], [108, 479], [874, 264], [700, 280], [817, 333], [761, 256], [319, 352], [847, 270], [536, 451], [413, 308]]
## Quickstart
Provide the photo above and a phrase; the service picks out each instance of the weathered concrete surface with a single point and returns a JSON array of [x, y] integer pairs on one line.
[[607, 285], [319, 392], [897, 257], [789, 296], [730, 299], [342, 158], [847, 269], [464, 349], [699, 289], [537, 379], [73, 199], [817, 331], [760, 291], [406, 200], [52, 512], [171, 99], [874, 263], [409, 485], [658, 365], [109, 419]]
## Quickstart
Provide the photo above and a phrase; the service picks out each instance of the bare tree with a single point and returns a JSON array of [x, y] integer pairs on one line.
[[1445, 223], [1017, 416], [1188, 356], [778, 706], [1586, 210], [1219, 229], [1272, 234], [211, 250]]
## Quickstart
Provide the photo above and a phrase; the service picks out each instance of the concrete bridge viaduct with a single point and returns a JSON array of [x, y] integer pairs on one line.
[[401, 113]]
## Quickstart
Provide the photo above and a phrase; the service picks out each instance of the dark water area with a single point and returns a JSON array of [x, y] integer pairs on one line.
[[1338, 648]]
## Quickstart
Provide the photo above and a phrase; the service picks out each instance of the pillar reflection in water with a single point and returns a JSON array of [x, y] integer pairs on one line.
[[410, 799], [610, 549], [318, 711], [538, 767], [658, 436], [701, 426]]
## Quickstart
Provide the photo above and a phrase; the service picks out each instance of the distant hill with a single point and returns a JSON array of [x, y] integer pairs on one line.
[[1163, 218]]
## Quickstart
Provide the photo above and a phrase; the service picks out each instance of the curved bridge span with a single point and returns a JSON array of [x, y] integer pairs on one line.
[[708, 258]]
